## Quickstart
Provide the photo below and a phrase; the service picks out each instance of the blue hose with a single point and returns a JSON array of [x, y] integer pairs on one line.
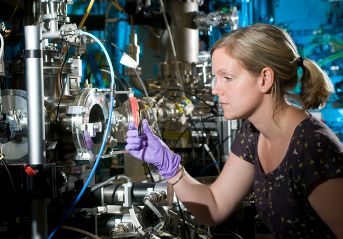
[[103, 144]]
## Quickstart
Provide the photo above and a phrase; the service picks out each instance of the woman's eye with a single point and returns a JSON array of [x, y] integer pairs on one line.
[[227, 78]]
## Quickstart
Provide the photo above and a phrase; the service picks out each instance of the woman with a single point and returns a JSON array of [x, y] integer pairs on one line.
[[293, 161]]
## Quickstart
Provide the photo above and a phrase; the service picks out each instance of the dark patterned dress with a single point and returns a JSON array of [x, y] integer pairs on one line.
[[314, 155]]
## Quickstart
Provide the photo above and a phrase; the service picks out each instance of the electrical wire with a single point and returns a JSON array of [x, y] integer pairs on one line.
[[107, 13], [14, 11], [108, 182], [191, 138], [215, 163], [183, 217], [223, 141], [188, 93], [84, 18], [121, 80], [135, 70], [112, 20], [15, 194], [3, 162], [212, 158], [147, 172], [63, 84], [157, 212], [237, 236], [75, 229], [118, 7], [178, 73], [149, 102], [192, 124], [180, 136], [104, 139], [203, 136], [115, 20], [146, 94], [114, 45], [118, 48], [153, 208], [152, 31], [141, 82], [207, 149]]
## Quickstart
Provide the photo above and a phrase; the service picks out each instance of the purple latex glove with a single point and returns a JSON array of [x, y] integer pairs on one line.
[[151, 149]]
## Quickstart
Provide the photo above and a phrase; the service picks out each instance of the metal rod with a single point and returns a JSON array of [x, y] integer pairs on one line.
[[36, 134], [34, 83], [112, 153]]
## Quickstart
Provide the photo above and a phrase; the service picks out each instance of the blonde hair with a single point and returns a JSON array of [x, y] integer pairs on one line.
[[263, 45]]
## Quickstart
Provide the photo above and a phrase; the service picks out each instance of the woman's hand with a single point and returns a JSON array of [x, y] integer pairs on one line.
[[151, 149]]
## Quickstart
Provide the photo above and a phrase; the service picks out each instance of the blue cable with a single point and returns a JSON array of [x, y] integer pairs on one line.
[[103, 144]]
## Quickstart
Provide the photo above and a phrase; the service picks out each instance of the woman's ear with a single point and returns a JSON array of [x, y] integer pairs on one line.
[[266, 79]]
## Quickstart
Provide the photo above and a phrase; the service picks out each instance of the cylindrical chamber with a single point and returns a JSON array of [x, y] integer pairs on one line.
[[15, 102], [54, 13], [185, 34], [114, 194], [14, 106], [81, 122], [84, 118], [52, 80], [54, 75]]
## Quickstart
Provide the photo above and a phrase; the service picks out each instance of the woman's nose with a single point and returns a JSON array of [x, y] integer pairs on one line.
[[214, 91], [215, 88]]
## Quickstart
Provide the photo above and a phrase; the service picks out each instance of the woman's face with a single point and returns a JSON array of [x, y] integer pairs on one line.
[[237, 89]]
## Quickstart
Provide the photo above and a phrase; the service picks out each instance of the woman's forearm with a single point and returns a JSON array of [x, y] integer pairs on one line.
[[196, 197]]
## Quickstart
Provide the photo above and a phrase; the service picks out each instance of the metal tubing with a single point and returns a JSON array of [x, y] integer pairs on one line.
[[36, 134], [34, 83]]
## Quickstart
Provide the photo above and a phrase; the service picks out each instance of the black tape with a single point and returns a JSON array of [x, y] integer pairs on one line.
[[33, 53]]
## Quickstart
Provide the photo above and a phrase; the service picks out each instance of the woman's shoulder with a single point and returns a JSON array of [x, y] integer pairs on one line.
[[245, 142], [315, 133], [316, 154]]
